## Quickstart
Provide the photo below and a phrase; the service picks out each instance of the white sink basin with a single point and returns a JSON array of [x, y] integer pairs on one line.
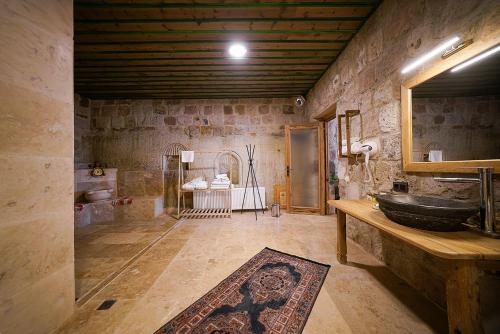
[[98, 195]]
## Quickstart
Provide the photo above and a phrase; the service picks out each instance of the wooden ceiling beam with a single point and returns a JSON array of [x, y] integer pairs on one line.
[[225, 5], [118, 52], [224, 58], [195, 90], [189, 96], [208, 41], [203, 80], [217, 32], [223, 19], [205, 88]]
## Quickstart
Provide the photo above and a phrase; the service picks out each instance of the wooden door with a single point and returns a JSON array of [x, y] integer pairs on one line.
[[305, 168]]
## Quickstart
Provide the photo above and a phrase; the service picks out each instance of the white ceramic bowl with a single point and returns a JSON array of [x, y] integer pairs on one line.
[[98, 195]]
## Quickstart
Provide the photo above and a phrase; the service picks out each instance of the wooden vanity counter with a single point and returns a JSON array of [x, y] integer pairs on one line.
[[466, 253]]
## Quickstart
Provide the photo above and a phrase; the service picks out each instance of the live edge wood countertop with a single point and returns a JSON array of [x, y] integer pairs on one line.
[[449, 245]]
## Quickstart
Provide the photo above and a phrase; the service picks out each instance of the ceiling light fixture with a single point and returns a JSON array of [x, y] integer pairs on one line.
[[437, 50], [476, 59], [237, 50]]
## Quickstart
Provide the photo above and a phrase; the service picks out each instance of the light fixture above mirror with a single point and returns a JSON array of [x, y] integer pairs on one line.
[[429, 55]]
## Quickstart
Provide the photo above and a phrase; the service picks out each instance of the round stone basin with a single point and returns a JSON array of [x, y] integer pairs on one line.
[[426, 213]]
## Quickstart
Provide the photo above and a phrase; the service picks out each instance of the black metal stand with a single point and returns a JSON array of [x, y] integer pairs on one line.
[[251, 172]]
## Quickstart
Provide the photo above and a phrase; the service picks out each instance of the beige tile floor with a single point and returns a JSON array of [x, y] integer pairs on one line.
[[360, 297], [102, 249]]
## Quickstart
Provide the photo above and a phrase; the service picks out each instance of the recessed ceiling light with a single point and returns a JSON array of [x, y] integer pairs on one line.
[[237, 50], [476, 59], [430, 54]]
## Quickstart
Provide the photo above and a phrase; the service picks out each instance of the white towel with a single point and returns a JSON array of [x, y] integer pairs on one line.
[[201, 185], [344, 149], [221, 181], [219, 186], [435, 155], [187, 156]]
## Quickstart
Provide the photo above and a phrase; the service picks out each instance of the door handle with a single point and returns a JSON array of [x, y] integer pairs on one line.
[[287, 170]]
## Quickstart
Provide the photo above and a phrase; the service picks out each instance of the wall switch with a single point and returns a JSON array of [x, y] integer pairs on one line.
[[400, 186]]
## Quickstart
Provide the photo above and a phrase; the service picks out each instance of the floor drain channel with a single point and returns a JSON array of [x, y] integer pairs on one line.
[[106, 304]]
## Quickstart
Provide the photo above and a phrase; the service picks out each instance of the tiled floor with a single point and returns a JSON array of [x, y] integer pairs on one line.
[[102, 249], [361, 297]]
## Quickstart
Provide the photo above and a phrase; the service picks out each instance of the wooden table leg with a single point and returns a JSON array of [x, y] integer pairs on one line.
[[462, 294], [341, 238]]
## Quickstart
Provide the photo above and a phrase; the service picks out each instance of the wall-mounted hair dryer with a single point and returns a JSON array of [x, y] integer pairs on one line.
[[368, 148]]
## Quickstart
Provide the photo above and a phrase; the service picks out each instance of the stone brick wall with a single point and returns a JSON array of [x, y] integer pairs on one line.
[[83, 134], [132, 135], [367, 77], [464, 128]]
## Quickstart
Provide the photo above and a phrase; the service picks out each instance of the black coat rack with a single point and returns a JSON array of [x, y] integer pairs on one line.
[[251, 173]]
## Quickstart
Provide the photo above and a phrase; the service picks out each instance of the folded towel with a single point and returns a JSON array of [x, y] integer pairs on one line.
[[188, 186], [216, 186], [435, 155], [196, 183], [201, 185], [187, 156], [222, 182]]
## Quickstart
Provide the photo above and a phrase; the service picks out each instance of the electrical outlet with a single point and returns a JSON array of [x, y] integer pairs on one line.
[[400, 186]]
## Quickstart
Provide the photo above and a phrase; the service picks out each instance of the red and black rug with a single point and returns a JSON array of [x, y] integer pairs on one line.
[[274, 292]]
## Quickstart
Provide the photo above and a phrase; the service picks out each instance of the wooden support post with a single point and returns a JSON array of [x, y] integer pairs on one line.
[[341, 237], [462, 294]]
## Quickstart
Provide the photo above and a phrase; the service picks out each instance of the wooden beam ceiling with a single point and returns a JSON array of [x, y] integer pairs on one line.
[[162, 49]]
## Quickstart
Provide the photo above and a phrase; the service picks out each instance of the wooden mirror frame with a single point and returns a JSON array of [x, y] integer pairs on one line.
[[441, 65]]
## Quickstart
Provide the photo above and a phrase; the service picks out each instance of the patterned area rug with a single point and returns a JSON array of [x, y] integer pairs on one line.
[[274, 292]]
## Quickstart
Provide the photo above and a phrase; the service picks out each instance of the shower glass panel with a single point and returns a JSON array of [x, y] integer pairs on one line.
[[304, 167]]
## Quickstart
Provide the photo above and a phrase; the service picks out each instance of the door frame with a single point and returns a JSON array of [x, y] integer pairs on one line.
[[321, 168]]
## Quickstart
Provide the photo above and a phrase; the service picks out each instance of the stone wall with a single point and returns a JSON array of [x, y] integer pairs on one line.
[[132, 135], [366, 76], [37, 286], [83, 142], [464, 128]]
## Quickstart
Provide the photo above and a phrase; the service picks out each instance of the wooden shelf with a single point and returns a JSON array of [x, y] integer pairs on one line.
[[464, 245], [204, 190], [198, 213], [205, 213]]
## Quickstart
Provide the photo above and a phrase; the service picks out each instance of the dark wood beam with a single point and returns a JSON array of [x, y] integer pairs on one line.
[[159, 5], [224, 19]]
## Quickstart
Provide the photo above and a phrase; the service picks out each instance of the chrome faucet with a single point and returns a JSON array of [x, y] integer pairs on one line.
[[487, 215]]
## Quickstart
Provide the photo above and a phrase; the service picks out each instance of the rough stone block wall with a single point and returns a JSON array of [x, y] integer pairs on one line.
[[366, 76], [132, 135], [464, 128], [83, 142]]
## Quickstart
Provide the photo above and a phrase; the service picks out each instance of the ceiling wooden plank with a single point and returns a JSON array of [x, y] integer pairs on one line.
[[223, 5], [198, 12], [195, 76], [223, 19], [154, 49], [221, 62]]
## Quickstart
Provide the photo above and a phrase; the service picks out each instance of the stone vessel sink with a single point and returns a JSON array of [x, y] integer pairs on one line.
[[426, 213]]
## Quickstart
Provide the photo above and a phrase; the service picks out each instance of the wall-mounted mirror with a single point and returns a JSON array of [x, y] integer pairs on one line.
[[451, 119]]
